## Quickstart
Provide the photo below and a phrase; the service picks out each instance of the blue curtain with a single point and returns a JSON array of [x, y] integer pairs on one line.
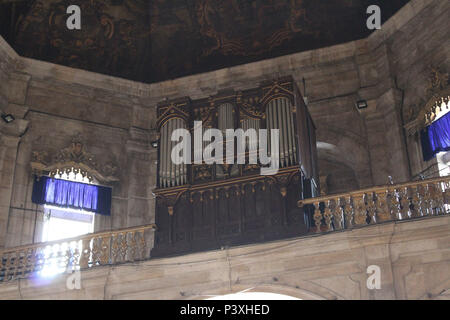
[[69, 194], [436, 137]]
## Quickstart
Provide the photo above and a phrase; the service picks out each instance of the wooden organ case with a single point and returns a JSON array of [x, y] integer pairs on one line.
[[208, 206]]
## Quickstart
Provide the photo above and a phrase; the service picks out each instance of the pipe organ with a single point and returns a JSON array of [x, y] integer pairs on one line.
[[202, 206]]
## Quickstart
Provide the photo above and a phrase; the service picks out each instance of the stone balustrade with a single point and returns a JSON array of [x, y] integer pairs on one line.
[[333, 212], [379, 204], [68, 255]]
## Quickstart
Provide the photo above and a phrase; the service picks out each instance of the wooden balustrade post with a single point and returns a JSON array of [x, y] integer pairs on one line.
[[404, 203], [371, 207], [395, 205], [31, 260], [360, 210], [114, 247], [85, 253], [317, 217], [383, 210], [337, 215], [446, 192], [427, 201], [105, 256], [96, 250], [143, 245], [438, 199], [416, 202], [328, 216], [132, 244], [123, 247], [348, 212]]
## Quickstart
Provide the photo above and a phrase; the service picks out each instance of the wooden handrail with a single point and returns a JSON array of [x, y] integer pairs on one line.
[[377, 204]]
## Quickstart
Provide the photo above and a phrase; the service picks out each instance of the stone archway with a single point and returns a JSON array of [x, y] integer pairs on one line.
[[268, 292]]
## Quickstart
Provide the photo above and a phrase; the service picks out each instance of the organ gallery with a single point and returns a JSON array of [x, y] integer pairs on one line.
[[209, 206]]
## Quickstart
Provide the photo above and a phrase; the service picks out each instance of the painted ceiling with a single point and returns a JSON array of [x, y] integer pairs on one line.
[[155, 40]]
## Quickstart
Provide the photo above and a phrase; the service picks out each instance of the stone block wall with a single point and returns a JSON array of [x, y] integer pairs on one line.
[[413, 259]]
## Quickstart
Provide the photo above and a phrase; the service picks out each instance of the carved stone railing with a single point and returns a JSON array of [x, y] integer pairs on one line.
[[68, 255], [379, 204]]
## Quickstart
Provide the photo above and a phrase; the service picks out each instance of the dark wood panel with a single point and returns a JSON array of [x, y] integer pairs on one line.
[[260, 213]]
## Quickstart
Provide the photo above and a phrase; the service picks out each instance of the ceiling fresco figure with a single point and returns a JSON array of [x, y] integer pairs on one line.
[[155, 40]]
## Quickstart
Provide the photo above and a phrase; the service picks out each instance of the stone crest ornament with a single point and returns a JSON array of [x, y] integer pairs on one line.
[[74, 158], [437, 101], [437, 81]]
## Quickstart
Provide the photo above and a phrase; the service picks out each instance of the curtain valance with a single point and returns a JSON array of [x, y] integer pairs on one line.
[[70, 194], [436, 137]]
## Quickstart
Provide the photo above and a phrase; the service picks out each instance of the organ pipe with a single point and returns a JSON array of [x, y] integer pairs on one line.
[[170, 174], [279, 116], [250, 123], [226, 120]]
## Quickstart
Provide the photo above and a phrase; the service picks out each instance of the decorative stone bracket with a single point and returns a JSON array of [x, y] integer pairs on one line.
[[438, 95], [74, 158]]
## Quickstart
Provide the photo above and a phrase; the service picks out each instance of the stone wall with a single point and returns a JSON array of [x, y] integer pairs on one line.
[[413, 257], [116, 117], [58, 103]]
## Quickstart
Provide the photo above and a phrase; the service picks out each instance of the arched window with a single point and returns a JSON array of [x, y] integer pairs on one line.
[[62, 223]]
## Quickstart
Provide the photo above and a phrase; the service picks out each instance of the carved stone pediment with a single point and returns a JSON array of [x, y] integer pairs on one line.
[[74, 158], [438, 99]]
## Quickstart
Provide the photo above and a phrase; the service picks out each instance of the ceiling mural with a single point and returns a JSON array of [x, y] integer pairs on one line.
[[155, 40]]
